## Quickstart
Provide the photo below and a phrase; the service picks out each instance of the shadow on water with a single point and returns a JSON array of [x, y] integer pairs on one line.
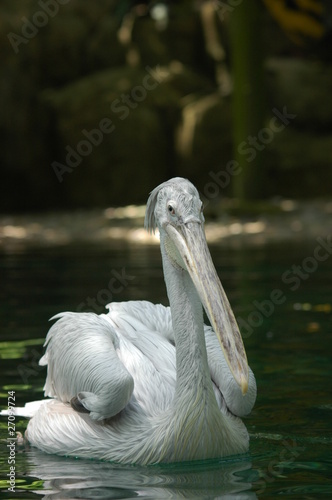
[[286, 323]]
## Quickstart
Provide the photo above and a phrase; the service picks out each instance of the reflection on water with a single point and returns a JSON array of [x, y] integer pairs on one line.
[[67, 478], [288, 343]]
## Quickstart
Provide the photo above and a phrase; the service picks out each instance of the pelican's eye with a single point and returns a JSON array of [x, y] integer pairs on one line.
[[171, 209]]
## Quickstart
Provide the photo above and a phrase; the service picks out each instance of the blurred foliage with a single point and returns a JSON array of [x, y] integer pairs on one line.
[[304, 21]]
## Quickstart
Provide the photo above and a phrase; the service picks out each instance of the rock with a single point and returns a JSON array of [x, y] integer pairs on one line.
[[43, 49], [299, 157], [109, 126], [299, 164], [303, 86]]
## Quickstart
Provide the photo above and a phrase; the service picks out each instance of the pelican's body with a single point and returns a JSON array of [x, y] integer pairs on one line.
[[146, 383]]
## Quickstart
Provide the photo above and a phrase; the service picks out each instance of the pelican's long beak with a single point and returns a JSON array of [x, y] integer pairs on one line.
[[191, 244]]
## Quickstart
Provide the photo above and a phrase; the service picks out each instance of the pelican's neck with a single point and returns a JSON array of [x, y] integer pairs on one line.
[[192, 371]]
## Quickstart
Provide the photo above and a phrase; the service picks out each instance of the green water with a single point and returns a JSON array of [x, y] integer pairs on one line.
[[286, 321]]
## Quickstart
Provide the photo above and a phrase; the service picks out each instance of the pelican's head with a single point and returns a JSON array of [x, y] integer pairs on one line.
[[174, 202], [176, 209]]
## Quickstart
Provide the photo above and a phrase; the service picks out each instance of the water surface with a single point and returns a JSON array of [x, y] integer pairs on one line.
[[286, 323]]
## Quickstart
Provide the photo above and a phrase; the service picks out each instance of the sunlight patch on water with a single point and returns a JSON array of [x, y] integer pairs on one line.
[[129, 212], [126, 224]]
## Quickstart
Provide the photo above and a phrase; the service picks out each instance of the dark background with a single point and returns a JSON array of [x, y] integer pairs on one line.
[[221, 69]]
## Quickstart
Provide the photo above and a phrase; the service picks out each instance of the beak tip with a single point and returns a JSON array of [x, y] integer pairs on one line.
[[244, 385]]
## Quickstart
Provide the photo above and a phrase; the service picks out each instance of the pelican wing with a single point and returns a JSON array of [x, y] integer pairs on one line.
[[148, 351], [143, 323], [83, 363], [107, 361], [153, 317]]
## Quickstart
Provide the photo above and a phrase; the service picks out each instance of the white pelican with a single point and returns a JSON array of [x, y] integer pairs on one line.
[[145, 383]]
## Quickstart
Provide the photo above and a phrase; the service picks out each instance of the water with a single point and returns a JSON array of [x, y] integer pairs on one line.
[[286, 322]]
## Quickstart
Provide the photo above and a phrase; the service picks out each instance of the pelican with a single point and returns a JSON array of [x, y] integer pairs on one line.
[[145, 383]]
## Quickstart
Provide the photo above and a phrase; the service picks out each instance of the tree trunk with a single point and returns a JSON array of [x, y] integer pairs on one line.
[[248, 102]]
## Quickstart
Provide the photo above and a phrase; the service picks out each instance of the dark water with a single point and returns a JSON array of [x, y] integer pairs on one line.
[[285, 315]]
